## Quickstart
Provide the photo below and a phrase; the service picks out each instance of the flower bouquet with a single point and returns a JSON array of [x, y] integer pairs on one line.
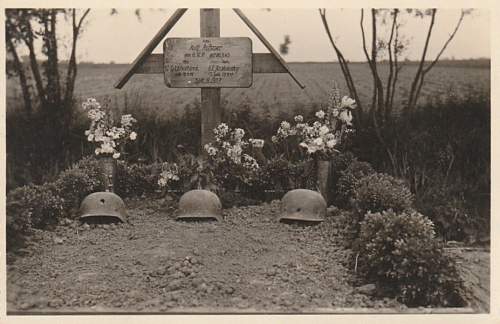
[[107, 136]]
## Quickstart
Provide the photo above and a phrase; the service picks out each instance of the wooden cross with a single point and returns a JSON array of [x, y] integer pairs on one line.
[[148, 63]]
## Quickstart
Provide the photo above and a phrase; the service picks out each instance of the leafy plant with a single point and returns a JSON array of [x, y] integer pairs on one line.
[[399, 252], [346, 184], [74, 184], [379, 191]]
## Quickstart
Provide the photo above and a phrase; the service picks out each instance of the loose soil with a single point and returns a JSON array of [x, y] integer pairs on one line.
[[246, 263]]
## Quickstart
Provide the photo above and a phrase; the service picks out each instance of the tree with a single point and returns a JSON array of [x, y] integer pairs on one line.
[[47, 85], [380, 111], [23, 28]]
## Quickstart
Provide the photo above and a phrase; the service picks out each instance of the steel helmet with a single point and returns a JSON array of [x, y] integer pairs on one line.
[[303, 205], [199, 204], [100, 205]]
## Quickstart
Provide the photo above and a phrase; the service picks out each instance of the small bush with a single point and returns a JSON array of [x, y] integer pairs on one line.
[[400, 253], [74, 184], [136, 179], [18, 219], [378, 192], [346, 183], [41, 203]]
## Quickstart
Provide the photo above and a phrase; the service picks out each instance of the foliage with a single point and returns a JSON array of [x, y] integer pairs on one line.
[[378, 192], [400, 253], [40, 202], [320, 139], [74, 184], [137, 179], [231, 157], [108, 137], [442, 151], [346, 184]]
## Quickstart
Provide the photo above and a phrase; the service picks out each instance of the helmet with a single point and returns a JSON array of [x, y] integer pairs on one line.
[[303, 205], [100, 205], [199, 204]]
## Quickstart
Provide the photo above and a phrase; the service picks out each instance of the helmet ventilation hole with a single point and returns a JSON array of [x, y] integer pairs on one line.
[[299, 209], [102, 201]]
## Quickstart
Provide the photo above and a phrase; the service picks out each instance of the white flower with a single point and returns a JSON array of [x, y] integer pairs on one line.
[[346, 116], [238, 134], [133, 136], [274, 139], [311, 149], [116, 155], [97, 151], [348, 103], [285, 125], [257, 143], [331, 143], [323, 130], [299, 118], [90, 138], [212, 151], [318, 141], [162, 182], [320, 114]]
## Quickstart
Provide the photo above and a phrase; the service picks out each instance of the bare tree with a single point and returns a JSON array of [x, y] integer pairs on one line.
[[23, 28], [380, 110]]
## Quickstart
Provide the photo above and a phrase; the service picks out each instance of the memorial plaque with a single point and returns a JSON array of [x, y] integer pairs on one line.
[[208, 62]]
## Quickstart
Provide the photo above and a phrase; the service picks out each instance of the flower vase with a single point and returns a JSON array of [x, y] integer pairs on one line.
[[108, 169], [323, 178]]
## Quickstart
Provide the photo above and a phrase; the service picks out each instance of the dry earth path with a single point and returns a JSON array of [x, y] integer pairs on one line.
[[247, 263]]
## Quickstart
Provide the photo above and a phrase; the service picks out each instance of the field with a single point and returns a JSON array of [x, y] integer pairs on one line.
[[276, 92]]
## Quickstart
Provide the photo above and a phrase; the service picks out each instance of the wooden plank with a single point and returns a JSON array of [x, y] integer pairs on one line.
[[211, 112], [267, 44], [208, 62], [267, 63], [262, 63], [150, 47]]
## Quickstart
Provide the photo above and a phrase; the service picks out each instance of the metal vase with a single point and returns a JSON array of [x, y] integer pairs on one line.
[[108, 169], [323, 178]]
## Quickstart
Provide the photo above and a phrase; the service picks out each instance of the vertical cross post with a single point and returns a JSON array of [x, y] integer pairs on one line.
[[211, 111]]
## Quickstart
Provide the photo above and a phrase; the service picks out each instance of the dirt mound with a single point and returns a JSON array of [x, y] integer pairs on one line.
[[248, 262]]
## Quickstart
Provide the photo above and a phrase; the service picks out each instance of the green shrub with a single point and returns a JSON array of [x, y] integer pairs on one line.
[[399, 252], [379, 191], [41, 203], [74, 184], [346, 183], [136, 179], [18, 218]]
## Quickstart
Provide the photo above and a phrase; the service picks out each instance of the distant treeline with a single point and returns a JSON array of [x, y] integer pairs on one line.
[[467, 63]]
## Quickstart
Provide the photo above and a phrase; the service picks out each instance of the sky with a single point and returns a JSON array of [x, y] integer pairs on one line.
[[120, 38]]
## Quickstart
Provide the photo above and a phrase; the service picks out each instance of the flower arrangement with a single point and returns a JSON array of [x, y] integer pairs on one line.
[[320, 138], [230, 155], [169, 173], [103, 132], [231, 147]]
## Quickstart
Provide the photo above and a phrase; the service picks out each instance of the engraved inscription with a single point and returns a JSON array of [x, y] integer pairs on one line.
[[208, 62]]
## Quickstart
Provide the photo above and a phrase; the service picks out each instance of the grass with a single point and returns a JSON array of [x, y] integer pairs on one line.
[[274, 92]]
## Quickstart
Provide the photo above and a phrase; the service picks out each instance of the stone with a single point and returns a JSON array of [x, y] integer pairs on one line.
[[58, 240], [174, 285], [368, 289]]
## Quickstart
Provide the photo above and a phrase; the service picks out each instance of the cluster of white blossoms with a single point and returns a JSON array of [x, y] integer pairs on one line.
[[230, 145], [326, 132], [102, 131], [169, 173]]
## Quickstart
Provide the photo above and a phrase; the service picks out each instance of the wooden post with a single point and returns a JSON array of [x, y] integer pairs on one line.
[[211, 111]]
